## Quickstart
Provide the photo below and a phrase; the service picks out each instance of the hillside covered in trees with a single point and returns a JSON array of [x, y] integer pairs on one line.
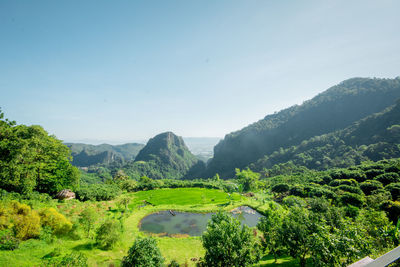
[[164, 156], [343, 113], [85, 155]]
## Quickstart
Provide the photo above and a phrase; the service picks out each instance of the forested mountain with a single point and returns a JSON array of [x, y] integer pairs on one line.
[[164, 156], [373, 138], [85, 155], [335, 109]]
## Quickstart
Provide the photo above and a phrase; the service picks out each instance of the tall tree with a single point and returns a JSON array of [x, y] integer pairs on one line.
[[227, 243], [31, 159]]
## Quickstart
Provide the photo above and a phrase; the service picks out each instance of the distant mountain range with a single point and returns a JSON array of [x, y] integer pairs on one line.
[[85, 155], [354, 121]]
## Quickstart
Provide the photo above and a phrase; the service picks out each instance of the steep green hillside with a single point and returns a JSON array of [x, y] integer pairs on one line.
[[85, 155], [164, 156], [332, 110], [373, 138]]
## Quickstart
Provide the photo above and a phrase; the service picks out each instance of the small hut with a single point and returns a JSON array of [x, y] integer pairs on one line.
[[65, 194]]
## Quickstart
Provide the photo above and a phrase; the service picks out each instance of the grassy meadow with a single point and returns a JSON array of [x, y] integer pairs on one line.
[[34, 252]]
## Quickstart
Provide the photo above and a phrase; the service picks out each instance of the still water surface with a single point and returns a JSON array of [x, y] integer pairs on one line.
[[190, 223]]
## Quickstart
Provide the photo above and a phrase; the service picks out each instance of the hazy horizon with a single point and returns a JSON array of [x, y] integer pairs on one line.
[[128, 70], [121, 142]]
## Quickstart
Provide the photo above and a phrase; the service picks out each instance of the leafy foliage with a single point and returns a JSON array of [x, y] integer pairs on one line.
[[97, 192], [55, 220], [87, 219], [227, 243], [30, 159], [108, 234], [144, 252]]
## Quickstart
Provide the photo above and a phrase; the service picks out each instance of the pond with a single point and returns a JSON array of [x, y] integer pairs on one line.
[[189, 223]]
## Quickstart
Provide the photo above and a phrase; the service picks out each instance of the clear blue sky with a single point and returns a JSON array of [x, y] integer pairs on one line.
[[127, 70]]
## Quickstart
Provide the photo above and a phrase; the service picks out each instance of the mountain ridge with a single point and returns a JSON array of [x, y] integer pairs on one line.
[[334, 109]]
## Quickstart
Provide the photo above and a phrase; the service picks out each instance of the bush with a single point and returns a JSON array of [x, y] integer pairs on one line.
[[357, 175], [352, 199], [144, 253], [293, 201], [55, 220], [26, 221], [108, 234], [393, 210], [349, 188], [298, 191], [227, 243], [387, 178], [351, 211], [280, 188], [98, 192], [371, 174], [320, 192], [74, 259], [46, 234], [8, 241], [128, 185], [87, 219], [368, 186], [351, 182], [394, 190]]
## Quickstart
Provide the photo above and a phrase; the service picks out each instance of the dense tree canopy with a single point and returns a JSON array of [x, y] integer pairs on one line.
[[30, 159], [227, 243]]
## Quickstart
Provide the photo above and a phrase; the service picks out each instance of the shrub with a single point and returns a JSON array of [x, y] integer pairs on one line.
[[393, 210], [144, 253], [321, 192], [98, 192], [26, 222], [8, 241], [74, 259], [378, 197], [55, 220], [128, 185], [351, 182], [394, 190], [280, 188], [46, 234], [293, 201], [371, 174], [108, 234], [349, 188], [368, 186], [352, 199], [351, 211], [387, 178], [348, 174], [87, 219], [297, 190]]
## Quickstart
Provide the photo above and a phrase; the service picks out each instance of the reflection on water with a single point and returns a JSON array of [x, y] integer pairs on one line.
[[190, 223]]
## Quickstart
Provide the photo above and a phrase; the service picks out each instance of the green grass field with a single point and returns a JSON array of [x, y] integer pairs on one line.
[[184, 196], [32, 252]]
